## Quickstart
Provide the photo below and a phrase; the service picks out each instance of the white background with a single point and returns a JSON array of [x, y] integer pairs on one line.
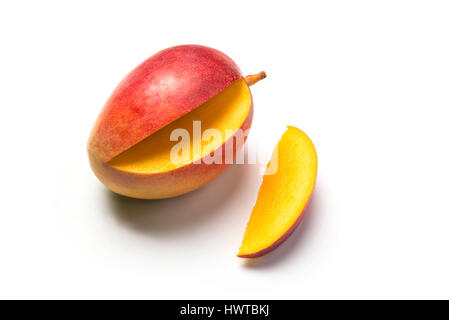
[[367, 80]]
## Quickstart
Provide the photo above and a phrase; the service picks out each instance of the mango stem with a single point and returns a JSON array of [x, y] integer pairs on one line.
[[254, 78]]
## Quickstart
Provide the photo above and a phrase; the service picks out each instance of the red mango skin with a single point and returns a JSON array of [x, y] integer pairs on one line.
[[160, 90], [167, 184]]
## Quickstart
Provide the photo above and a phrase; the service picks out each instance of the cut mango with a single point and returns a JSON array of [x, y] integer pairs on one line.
[[225, 112], [282, 196]]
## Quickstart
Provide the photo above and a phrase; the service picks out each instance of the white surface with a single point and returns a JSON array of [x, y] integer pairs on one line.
[[368, 81]]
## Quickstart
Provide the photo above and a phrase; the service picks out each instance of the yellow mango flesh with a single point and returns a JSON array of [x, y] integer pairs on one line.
[[282, 196], [225, 112]]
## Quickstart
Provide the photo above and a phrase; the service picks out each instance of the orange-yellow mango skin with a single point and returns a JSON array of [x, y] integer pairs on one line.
[[165, 184]]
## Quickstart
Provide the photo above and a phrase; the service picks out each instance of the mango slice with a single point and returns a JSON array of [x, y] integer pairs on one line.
[[282, 196]]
